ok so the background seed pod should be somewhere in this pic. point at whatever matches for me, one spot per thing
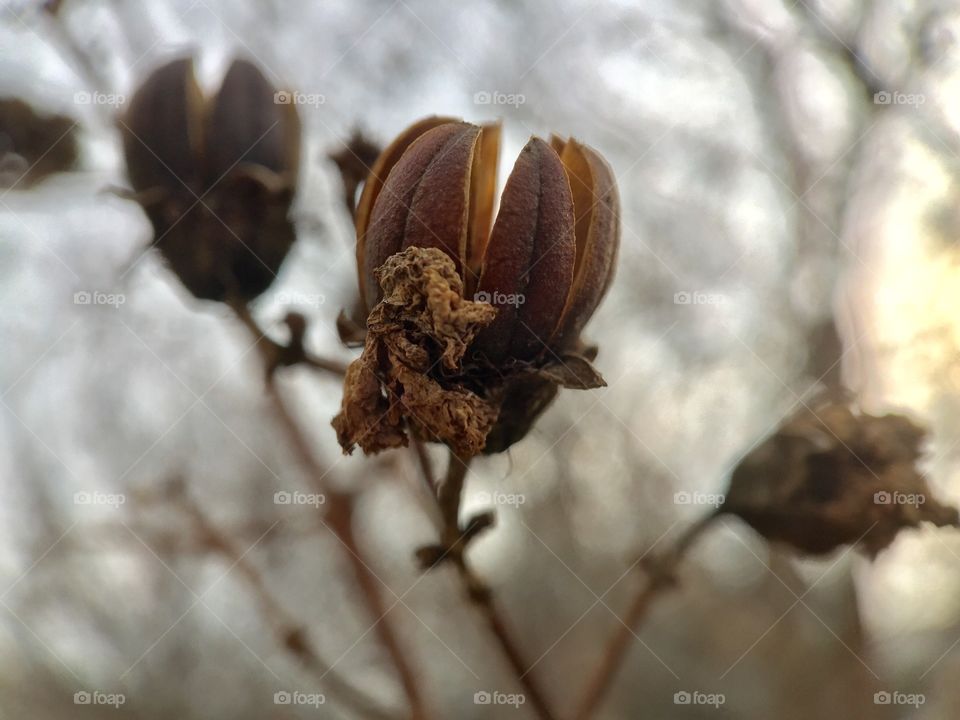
(216, 178)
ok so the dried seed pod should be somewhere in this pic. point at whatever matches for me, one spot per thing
(161, 131)
(835, 476)
(246, 126)
(216, 177)
(597, 210)
(33, 145)
(541, 270)
(530, 257)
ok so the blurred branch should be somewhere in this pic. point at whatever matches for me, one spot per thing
(661, 577)
(454, 541)
(276, 355)
(339, 519)
(289, 633)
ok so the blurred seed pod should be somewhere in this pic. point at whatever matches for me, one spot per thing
(33, 145)
(833, 476)
(216, 176)
(543, 266)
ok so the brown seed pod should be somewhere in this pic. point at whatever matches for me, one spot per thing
(832, 476)
(161, 130)
(216, 177)
(33, 145)
(542, 269)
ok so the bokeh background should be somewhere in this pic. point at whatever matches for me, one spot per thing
(789, 179)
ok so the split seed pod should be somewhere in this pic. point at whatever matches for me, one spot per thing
(511, 296)
(216, 176)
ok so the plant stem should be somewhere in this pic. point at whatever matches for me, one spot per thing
(339, 519)
(448, 497)
(660, 578)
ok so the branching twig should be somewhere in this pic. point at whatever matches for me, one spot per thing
(454, 541)
(339, 519)
(661, 577)
(289, 632)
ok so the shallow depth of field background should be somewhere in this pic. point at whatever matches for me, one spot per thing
(766, 188)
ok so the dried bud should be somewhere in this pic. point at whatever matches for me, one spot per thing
(215, 176)
(541, 270)
(834, 476)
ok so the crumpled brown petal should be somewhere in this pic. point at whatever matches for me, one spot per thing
(421, 328)
(833, 476)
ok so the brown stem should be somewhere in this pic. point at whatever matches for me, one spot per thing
(448, 497)
(276, 355)
(660, 573)
(340, 520)
(289, 632)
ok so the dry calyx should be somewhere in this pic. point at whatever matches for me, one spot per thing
(472, 324)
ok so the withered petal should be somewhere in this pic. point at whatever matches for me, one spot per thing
(530, 256)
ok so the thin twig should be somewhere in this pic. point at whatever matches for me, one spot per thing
(289, 633)
(448, 497)
(660, 578)
(339, 519)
